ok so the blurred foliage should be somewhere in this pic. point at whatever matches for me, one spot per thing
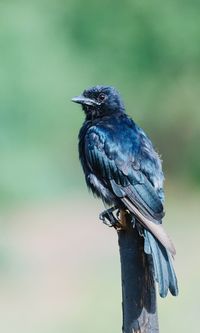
(52, 50)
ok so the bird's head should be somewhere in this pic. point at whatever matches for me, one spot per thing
(100, 101)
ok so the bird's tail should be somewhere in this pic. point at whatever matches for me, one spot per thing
(162, 263)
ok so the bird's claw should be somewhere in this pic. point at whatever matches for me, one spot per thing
(140, 229)
(111, 219)
(108, 218)
(133, 221)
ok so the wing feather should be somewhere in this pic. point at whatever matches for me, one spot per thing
(131, 186)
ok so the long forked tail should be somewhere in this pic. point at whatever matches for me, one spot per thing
(162, 263)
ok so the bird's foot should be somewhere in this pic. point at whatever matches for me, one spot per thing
(115, 217)
(140, 229)
(133, 221)
(110, 217)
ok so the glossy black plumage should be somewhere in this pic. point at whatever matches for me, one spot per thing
(122, 168)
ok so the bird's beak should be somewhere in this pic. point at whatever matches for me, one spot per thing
(84, 100)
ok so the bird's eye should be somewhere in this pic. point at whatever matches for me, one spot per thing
(101, 97)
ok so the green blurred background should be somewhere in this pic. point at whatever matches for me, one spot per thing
(59, 268)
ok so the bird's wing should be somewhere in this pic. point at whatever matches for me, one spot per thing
(113, 162)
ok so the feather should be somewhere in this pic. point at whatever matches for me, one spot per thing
(162, 263)
(156, 229)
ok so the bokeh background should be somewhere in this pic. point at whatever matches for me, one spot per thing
(59, 267)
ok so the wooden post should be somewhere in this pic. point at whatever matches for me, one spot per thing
(138, 287)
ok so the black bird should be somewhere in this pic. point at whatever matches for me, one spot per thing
(122, 168)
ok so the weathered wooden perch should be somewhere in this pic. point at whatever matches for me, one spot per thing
(138, 287)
